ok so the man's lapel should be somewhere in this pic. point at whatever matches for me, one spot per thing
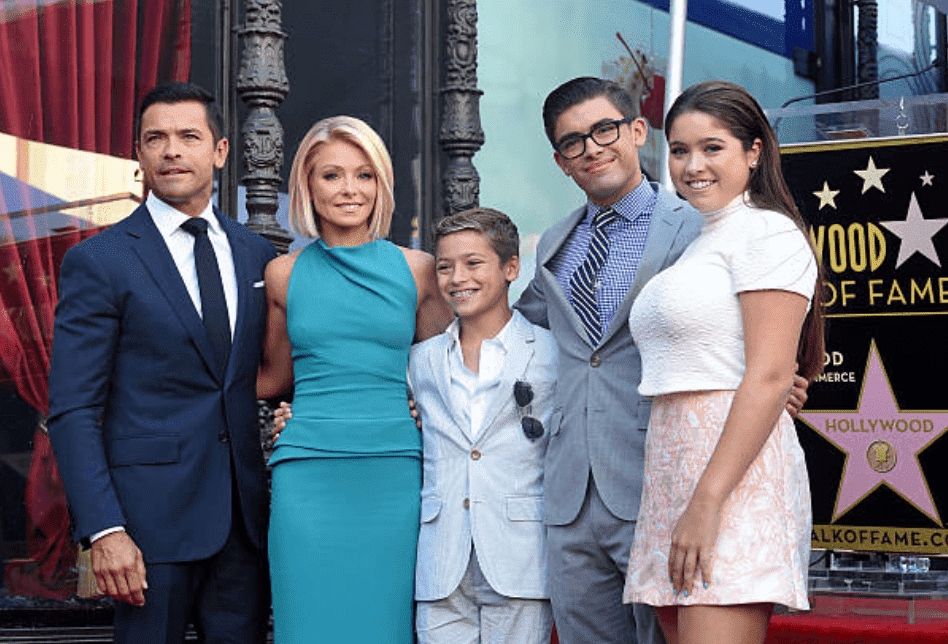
(439, 366)
(664, 227)
(518, 358)
(239, 252)
(556, 296)
(146, 241)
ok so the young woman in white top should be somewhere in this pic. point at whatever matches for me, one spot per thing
(724, 528)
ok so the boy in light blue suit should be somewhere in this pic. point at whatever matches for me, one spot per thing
(484, 389)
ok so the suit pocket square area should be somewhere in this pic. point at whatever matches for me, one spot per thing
(259, 284)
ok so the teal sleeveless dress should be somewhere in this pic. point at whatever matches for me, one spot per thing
(347, 469)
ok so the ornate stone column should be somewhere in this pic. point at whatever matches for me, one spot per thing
(262, 85)
(461, 135)
(867, 44)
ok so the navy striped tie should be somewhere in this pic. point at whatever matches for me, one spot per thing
(582, 284)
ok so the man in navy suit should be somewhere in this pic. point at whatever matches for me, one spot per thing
(153, 414)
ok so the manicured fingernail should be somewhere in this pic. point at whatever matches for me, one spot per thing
(675, 590)
(706, 584)
(684, 593)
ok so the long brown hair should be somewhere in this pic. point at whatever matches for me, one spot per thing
(740, 113)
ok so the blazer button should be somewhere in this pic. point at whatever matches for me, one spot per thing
(223, 436)
(475, 455)
(595, 360)
(467, 504)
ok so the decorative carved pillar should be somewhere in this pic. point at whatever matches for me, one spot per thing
(262, 86)
(867, 42)
(461, 135)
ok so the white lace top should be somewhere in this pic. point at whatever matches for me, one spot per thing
(686, 321)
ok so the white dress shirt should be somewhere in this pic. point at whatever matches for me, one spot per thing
(470, 391)
(181, 245)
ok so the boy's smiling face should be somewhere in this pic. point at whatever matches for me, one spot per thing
(471, 277)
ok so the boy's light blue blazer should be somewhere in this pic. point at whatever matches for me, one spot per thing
(485, 490)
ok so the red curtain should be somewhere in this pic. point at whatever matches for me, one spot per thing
(72, 71)
(71, 74)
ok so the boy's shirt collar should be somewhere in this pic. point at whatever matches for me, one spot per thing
(503, 337)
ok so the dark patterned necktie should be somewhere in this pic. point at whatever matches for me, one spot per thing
(213, 304)
(582, 284)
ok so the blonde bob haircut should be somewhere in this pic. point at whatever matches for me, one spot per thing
(303, 219)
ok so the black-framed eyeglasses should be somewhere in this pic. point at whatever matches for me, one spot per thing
(604, 133)
(523, 395)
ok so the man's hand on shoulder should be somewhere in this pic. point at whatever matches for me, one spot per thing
(119, 568)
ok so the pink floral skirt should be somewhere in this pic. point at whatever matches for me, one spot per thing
(763, 547)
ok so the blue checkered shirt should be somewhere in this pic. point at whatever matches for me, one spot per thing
(627, 235)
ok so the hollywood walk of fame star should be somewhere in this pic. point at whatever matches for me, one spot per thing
(877, 420)
(872, 176)
(927, 179)
(916, 234)
(827, 196)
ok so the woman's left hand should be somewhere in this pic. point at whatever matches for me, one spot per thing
(798, 395)
(692, 545)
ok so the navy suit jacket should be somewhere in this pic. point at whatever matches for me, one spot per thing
(145, 430)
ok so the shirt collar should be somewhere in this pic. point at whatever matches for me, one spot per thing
(505, 335)
(454, 330)
(635, 203)
(168, 219)
(502, 338)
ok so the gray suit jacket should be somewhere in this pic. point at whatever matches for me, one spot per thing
(485, 490)
(599, 419)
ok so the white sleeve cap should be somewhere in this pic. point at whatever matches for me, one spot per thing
(776, 256)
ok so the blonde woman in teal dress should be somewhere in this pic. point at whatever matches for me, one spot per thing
(342, 314)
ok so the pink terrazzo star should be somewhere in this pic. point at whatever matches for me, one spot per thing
(899, 437)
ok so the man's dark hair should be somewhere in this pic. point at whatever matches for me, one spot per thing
(170, 93)
(579, 90)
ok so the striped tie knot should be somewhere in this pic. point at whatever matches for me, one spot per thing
(604, 218)
(583, 282)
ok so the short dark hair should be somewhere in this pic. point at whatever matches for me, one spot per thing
(500, 230)
(171, 93)
(579, 90)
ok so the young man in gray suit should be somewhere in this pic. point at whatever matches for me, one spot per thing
(590, 266)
